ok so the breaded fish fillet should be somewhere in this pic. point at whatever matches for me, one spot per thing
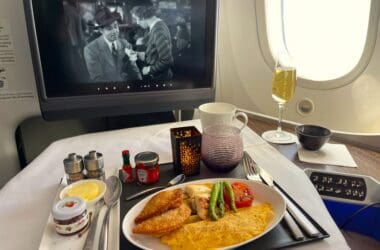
(161, 203)
(164, 223)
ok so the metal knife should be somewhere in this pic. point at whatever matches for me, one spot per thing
(301, 219)
(252, 173)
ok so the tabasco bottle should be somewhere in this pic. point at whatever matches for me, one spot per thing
(126, 171)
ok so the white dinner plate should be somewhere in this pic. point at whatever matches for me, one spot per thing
(262, 194)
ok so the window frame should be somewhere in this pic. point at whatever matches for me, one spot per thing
(344, 80)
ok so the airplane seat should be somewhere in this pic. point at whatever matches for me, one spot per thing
(30, 144)
(364, 220)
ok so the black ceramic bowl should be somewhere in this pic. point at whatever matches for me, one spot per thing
(312, 137)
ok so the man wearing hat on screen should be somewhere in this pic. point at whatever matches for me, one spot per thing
(106, 57)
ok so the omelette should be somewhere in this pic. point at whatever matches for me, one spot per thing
(232, 229)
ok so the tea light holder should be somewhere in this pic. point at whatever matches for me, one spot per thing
(186, 149)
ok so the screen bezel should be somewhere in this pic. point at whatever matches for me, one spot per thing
(105, 104)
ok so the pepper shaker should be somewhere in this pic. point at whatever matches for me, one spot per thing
(94, 165)
(73, 165)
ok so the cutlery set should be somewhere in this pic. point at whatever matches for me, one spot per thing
(293, 216)
(111, 197)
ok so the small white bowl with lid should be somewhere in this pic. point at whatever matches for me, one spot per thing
(70, 215)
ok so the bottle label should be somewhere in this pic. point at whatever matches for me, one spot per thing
(126, 175)
(142, 175)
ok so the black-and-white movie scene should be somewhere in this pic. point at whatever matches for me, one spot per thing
(125, 40)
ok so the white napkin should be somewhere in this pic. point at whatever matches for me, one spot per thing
(329, 154)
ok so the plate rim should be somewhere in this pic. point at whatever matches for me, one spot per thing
(267, 230)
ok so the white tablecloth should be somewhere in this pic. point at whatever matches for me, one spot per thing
(26, 200)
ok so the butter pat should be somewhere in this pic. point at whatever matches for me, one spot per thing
(87, 191)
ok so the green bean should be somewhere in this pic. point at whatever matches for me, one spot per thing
(221, 200)
(213, 199)
(231, 194)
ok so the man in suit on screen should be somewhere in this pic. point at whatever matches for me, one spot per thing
(106, 57)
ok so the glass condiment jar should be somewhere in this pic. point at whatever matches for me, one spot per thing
(73, 165)
(94, 165)
(70, 216)
(147, 168)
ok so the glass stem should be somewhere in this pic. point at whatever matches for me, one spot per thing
(280, 110)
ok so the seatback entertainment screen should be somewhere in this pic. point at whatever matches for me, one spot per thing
(88, 47)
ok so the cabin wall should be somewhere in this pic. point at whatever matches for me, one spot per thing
(18, 98)
(245, 79)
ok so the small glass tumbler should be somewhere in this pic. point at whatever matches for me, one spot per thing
(222, 147)
(186, 150)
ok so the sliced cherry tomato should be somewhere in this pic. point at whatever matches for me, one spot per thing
(243, 195)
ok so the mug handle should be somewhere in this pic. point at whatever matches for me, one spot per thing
(245, 119)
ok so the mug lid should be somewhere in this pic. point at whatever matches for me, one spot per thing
(147, 158)
(68, 208)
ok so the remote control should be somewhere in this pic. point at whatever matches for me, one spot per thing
(351, 188)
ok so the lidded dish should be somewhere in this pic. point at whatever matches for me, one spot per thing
(70, 215)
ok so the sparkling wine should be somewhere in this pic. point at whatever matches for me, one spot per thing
(283, 84)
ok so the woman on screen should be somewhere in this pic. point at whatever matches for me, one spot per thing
(158, 56)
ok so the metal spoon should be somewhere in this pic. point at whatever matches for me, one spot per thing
(92, 232)
(176, 180)
(111, 197)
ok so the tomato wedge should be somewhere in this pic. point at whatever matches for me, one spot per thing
(243, 195)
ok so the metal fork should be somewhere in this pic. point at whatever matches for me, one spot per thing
(253, 173)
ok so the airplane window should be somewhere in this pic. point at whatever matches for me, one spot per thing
(329, 40)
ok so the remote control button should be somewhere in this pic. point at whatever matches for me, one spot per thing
(338, 191)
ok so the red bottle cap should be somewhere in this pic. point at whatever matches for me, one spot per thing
(125, 152)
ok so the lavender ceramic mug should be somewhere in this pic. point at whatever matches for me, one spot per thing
(222, 147)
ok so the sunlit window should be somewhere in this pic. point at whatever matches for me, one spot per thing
(325, 37)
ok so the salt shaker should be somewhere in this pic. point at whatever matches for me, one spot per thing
(73, 165)
(94, 165)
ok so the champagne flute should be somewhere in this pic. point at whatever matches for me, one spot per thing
(283, 88)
